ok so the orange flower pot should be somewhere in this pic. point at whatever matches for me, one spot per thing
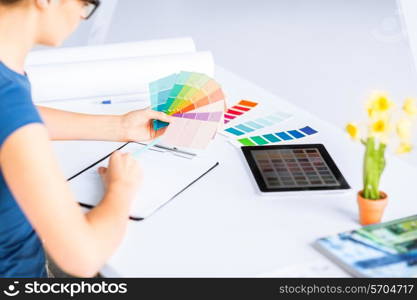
(371, 211)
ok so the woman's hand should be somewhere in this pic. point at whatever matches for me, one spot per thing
(123, 174)
(138, 125)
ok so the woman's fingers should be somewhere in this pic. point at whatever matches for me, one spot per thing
(159, 132)
(158, 115)
(102, 171)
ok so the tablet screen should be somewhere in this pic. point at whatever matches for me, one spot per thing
(294, 168)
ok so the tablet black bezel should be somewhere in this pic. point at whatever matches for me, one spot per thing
(247, 152)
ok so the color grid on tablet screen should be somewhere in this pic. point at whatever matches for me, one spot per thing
(288, 168)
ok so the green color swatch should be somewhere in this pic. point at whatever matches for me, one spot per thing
(246, 142)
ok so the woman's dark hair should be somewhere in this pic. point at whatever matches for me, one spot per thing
(9, 2)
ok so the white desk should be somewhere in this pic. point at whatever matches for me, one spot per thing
(220, 227)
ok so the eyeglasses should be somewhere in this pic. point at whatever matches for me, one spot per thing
(90, 7)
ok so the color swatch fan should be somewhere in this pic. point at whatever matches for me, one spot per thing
(197, 104)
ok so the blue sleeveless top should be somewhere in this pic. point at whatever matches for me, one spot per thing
(21, 252)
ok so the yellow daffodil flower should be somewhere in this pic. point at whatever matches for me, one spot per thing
(404, 129)
(382, 104)
(381, 124)
(379, 127)
(410, 107)
(379, 103)
(404, 148)
(353, 130)
(371, 112)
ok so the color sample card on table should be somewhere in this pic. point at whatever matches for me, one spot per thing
(246, 126)
(197, 104)
(275, 137)
(239, 110)
(293, 168)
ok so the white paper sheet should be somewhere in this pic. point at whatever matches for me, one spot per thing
(111, 51)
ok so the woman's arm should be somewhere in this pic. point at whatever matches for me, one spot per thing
(80, 244)
(64, 125)
(133, 126)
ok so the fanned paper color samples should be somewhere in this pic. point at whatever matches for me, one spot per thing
(196, 102)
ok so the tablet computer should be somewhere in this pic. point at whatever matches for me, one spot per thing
(294, 168)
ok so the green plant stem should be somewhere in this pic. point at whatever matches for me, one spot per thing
(374, 165)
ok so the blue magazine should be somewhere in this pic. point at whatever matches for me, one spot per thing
(383, 250)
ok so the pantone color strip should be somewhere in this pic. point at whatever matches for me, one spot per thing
(277, 137)
(238, 110)
(256, 124)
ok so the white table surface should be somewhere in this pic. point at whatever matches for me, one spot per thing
(220, 226)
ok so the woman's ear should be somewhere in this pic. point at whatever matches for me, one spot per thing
(42, 4)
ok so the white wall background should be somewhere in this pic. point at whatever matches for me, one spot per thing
(323, 55)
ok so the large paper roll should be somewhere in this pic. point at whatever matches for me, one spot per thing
(111, 70)
(111, 51)
(108, 78)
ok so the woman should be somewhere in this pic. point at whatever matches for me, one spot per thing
(36, 203)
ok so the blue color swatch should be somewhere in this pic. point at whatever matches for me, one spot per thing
(285, 136)
(272, 138)
(234, 131)
(296, 134)
(244, 128)
(308, 130)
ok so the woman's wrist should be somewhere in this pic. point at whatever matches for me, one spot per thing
(128, 128)
(120, 189)
(120, 130)
(119, 197)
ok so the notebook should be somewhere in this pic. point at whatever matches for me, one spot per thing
(167, 173)
(382, 250)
